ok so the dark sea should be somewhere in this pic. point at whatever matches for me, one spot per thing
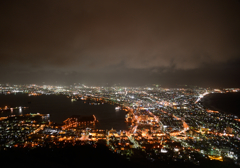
(223, 102)
(60, 108)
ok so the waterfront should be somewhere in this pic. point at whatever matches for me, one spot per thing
(60, 108)
(226, 103)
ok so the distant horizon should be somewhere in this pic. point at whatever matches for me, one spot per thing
(98, 42)
(118, 85)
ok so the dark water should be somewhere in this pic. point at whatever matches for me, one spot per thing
(227, 102)
(60, 108)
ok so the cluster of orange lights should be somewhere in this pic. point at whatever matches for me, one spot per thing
(211, 111)
(34, 94)
(71, 123)
(237, 120)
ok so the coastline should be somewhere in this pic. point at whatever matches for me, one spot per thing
(227, 103)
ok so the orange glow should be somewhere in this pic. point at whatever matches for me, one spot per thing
(211, 111)
(219, 158)
(237, 120)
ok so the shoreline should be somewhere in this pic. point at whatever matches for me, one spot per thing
(223, 102)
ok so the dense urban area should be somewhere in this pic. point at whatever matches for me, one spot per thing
(165, 124)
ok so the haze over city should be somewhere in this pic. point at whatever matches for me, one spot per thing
(132, 43)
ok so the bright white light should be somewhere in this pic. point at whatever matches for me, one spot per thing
(163, 151)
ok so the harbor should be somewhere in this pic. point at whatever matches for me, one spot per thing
(60, 107)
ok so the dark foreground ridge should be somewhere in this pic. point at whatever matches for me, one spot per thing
(86, 156)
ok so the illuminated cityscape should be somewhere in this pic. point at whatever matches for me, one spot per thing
(120, 83)
(166, 124)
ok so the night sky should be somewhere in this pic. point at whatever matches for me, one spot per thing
(134, 43)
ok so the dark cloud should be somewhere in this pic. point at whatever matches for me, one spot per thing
(109, 38)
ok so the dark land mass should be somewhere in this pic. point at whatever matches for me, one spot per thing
(223, 102)
(87, 156)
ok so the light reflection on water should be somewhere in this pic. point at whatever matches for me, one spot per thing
(60, 107)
